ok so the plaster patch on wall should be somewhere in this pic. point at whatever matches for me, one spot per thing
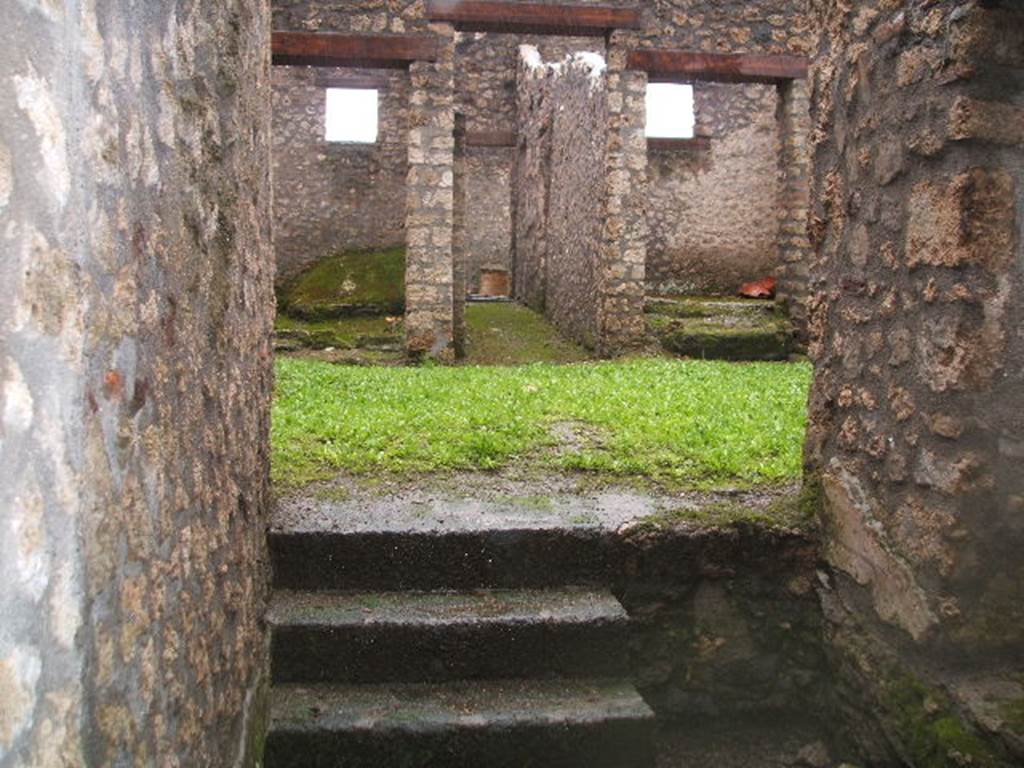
(64, 599)
(35, 98)
(856, 548)
(28, 535)
(17, 402)
(6, 176)
(19, 674)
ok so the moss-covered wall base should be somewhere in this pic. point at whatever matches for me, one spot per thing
(894, 705)
(917, 409)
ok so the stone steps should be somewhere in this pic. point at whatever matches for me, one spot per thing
(418, 637)
(513, 724)
(715, 329)
(437, 560)
(406, 634)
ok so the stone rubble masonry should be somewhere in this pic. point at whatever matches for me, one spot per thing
(624, 258)
(460, 256)
(580, 245)
(430, 206)
(917, 407)
(794, 123)
(334, 196)
(712, 207)
(135, 382)
(711, 215)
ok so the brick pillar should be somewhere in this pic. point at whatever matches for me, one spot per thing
(624, 260)
(429, 273)
(794, 195)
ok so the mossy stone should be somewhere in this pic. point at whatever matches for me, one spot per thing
(348, 284)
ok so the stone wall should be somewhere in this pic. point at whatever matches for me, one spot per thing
(334, 196)
(134, 382)
(726, 621)
(578, 190)
(713, 216)
(572, 122)
(917, 408)
(712, 209)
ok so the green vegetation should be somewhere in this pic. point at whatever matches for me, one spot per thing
(932, 733)
(509, 334)
(720, 329)
(345, 333)
(498, 334)
(1013, 713)
(787, 511)
(688, 423)
(355, 282)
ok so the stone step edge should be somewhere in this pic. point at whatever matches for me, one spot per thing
(312, 609)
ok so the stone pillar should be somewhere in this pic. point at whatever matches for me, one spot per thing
(429, 273)
(794, 120)
(531, 181)
(460, 255)
(624, 258)
(917, 407)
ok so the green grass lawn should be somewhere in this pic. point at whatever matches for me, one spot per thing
(688, 423)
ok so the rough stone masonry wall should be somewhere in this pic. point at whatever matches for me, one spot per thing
(485, 95)
(336, 196)
(917, 409)
(713, 212)
(134, 381)
(573, 124)
(431, 320)
(712, 208)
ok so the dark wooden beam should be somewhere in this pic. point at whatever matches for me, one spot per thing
(490, 139)
(327, 49)
(532, 18)
(668, 66)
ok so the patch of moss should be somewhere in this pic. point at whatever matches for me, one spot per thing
(767, 338)
(931, 734)
(1013, 713)
(343, 333)
(345, 284)
(504, 333)
(786, 511)
(710, 306)
(811, 500)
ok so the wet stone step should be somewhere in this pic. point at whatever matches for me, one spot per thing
(415, 637)
(437, 560)
(408, 543)
(554, 723)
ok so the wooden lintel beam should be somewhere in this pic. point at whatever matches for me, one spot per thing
(668, 66)
(490, 139)
(328, 49)
(533, 18)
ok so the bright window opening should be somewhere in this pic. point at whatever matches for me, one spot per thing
(670, 111)
(351, 115)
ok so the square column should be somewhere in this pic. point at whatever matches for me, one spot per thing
(794, 120)
(429, 273)
(624, 262)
